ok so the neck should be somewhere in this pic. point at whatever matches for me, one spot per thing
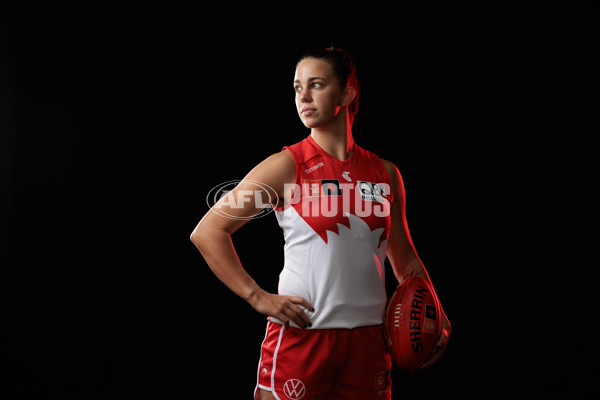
(336, 137)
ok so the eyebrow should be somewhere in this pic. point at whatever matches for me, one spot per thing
(314, 78)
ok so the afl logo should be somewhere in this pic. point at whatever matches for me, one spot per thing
(224, 200)
(294, 389)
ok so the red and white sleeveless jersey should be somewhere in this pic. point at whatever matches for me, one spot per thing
(335, 230)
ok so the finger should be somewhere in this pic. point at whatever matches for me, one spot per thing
(302, 302)
(433, 358)
(441, 343)
(436, 353)
(299, 317)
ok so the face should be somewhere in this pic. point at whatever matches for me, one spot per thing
(319, 96)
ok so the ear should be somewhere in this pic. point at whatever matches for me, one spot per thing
(349, 95)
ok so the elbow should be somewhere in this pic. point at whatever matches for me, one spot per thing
(198, 236)
(193, 237)
(204, 235)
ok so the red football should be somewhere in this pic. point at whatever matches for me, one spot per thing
(413, 323)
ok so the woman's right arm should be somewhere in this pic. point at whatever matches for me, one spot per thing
(212, 237)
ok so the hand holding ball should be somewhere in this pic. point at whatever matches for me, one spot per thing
(413, 323)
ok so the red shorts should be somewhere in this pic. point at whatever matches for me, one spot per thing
(325, 364)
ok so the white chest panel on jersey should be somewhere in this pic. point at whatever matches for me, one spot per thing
(335, 233)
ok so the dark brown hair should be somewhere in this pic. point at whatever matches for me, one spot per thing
(343, 67)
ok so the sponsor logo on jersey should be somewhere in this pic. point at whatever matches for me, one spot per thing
(372, 191)
(313, 188)
(331, 187)
(322, 187)
(294, 389)
(382, 380)
(346, 176)
(314, 168)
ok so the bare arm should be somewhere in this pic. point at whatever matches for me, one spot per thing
(403, 256)
(212, 237)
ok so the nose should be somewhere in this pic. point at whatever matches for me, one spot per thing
(304, 96)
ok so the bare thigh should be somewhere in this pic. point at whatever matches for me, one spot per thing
(265, 395)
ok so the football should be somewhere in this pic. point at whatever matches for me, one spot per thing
(412, 322)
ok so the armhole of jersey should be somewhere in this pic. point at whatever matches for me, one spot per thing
(296, 165)
(387, 175)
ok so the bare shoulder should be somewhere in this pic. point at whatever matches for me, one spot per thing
(275, 170)
(395, 178)
(282, 159)
(392, 170)
(278, 163)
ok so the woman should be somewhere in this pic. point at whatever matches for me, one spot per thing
(341, 209)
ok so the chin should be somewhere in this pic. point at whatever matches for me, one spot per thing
(312, 122)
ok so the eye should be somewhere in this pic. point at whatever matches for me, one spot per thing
(317, 85)
(297, 88)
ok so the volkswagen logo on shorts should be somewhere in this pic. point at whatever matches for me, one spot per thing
(294, 389)
(226, 201)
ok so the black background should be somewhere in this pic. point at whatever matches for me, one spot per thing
(116, 120)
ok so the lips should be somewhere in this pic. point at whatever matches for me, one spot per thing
(307, 111)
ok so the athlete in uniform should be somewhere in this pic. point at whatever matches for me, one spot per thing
(341, 209)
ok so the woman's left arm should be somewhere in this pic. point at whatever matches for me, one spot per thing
(403, 256)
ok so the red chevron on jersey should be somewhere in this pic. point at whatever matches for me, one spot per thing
(330, 189)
